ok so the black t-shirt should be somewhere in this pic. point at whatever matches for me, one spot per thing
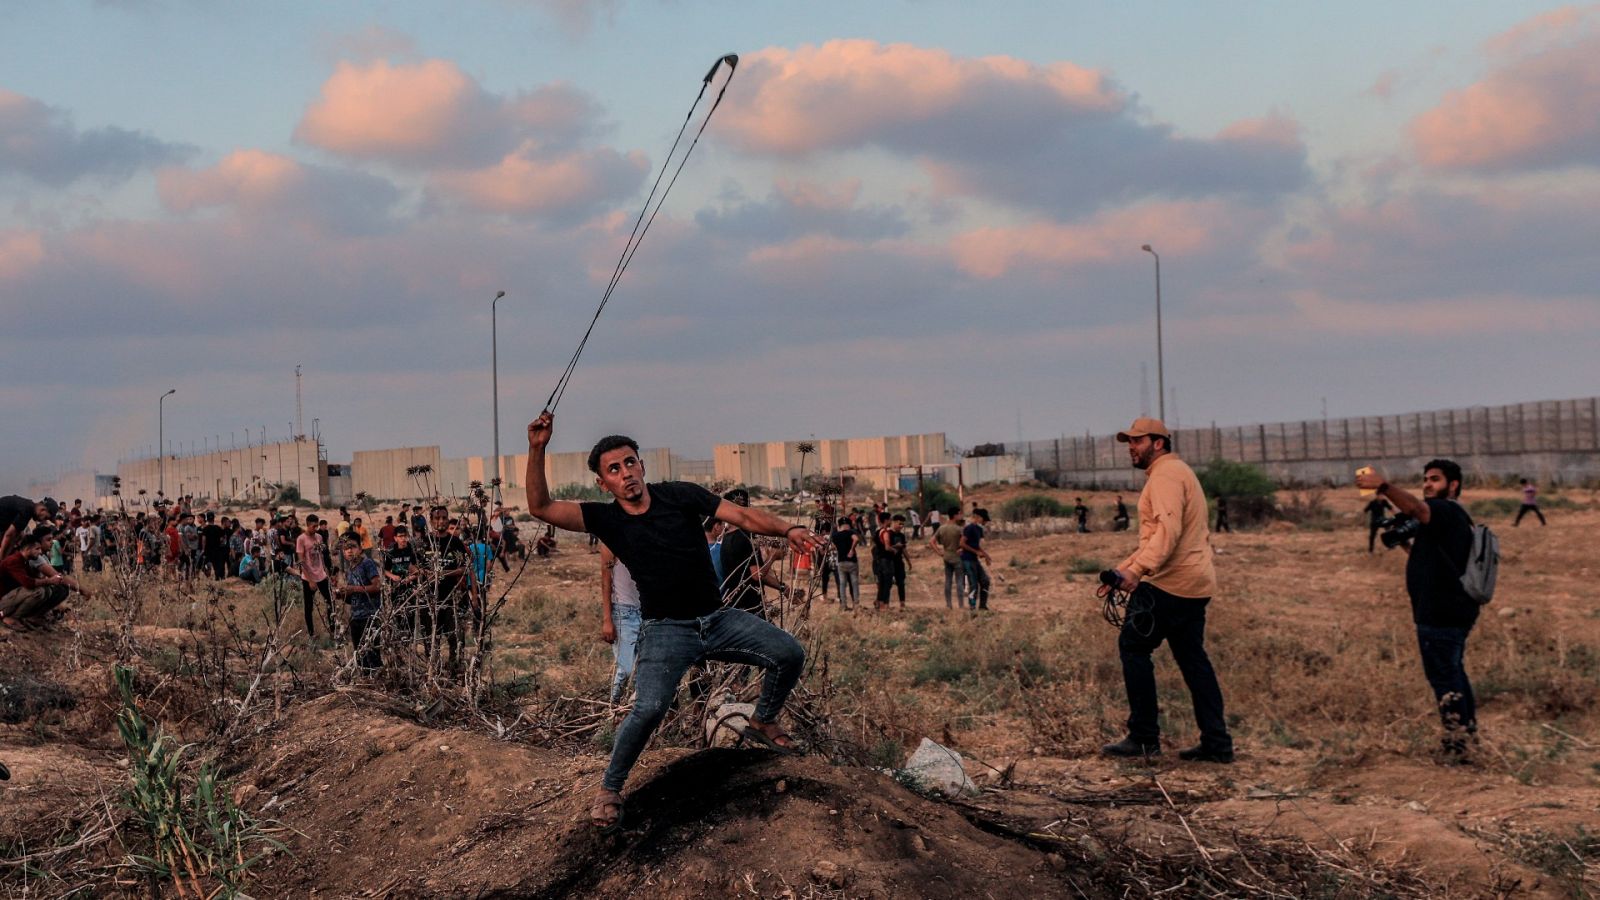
(1433, 570)
(742, 588)
(896, 554)
(844, 540)
(1376, 510)
(445, 552)
(215, 542)
(16, 511)
(664, 549)
(880, 550)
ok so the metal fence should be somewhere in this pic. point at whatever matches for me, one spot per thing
(1554, 439)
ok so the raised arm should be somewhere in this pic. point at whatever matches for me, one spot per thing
(560, 513)
(759, 521)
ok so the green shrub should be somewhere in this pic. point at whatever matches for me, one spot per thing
(1249, 489)
(579, 492)
(936, 496)
(1085, 565)
(1032, 506)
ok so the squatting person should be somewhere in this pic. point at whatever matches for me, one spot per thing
(657, 532)
(1441, 608)
(1170, 579)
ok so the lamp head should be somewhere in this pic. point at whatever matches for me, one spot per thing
(1146, 248)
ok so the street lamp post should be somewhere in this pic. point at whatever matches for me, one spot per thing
(494, 377)
(161, 440)
(1161, 381)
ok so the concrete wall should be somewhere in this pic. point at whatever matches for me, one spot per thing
(1553, 442)
(229, 474)
(381, 474)
(777, 465)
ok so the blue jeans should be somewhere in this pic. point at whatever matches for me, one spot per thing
(977, 584)
(668, 647)
(955, 573)
(627, 620)
(1443, 648)
(848, 572)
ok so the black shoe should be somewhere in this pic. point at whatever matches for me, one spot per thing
(1200, 753)
(1128, 747)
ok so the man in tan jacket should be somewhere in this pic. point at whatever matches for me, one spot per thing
(1170, 580)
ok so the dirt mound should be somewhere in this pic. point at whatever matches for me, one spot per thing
(383, 807)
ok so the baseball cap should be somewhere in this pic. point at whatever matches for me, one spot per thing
(1142, 426)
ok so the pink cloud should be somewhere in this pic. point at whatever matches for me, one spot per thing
(20, 253)
(1177, 228)
(250, 177)
(846, 92)
(413, 112)
(1540, 107)
(526, 184)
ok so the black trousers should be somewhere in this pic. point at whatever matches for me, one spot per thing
(890, 572)
(1528, 508)
(367, 658)
(1372, 536)
(1155, 616)
(310, 592)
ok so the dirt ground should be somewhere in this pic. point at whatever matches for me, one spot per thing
(1335, 792)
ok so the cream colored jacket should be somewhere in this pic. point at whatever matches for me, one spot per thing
(1174, 539)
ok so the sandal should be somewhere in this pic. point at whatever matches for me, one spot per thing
(606, 812)
(782, 743)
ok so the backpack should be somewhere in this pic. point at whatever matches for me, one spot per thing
(1483, 565)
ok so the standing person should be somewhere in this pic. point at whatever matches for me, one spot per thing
(214, 547)
(363, 590)
(92, 542)
(363, 536)
(1081, 513)
(419, 524)
(973, 556)
(1119, 519)
(401, 571)
(189, 532)
(1170, 580)
(1441, 608)
(1530, 504)
(313, 573)
(450, 568)
(1222, 515)
(898, 562)
(934, 519)
(882, 568)
(386, 534)
(847, 565)
(948, 542)
(656, 531)
(238, 536)
(1377, 509)
(620, 620)
(744, 570)
(915, 518)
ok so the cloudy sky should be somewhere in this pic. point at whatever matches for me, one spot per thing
(906, 216)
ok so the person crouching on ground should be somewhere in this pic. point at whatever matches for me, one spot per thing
(1170, 579)
(657, 532)
(29, 587)
(1441, 608)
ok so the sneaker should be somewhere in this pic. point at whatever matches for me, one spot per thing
(1201, 753)
(1128, 747)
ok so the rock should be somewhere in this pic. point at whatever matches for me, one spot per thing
(1507, 612)
(244, 793)
(1057, 862)
(827, 872)
(1416, 806)
(938, 768)
(724, 725)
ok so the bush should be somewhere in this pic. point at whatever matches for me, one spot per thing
(1085, 565)
(1249, 489)
(1032, 506)
(936, 496)
(579, 492)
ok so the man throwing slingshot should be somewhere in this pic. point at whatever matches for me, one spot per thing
(657, 532)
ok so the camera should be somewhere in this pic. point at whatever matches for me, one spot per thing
(1398, 529)
(1110, 578)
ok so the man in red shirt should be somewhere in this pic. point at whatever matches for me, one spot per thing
(29, 588)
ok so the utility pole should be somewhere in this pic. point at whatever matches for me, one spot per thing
(494, 378)
(1161, 381)
(161, 440)
(299, 414)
